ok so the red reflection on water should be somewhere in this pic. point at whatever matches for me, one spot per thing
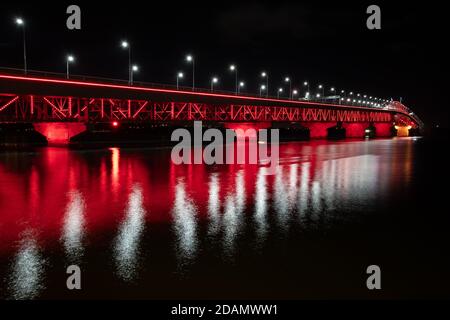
(38, 189)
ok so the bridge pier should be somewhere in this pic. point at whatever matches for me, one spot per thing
(402, 131)
(59, 133)
(318, 130)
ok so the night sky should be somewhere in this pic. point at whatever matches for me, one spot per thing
(326, 43)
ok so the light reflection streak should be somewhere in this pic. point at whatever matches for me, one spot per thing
(185, 212)
(26, 280)
(214, 205)
(234, 208)
(127, 243)
(73, 227)
(261, 205)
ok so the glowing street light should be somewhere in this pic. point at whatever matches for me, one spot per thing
(180, 75)
(306, 84)
(307, 95)
(126, 45)
(69, 60)
(287, 79)
(261, 89)
(294, 93)
(190, 59)
(280, 90)
(134, 69)
(214, 80)
(241, 85)
(266, 75)
(21, 23)
(235, 70)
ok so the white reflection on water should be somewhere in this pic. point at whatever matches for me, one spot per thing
(127, 242)
(234, 209)
(261, 204)
(73, 227)
(303, 195)
(214, 205)
(26, 280)
(185, 212)
(285, 194)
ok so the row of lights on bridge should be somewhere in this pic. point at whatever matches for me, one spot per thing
(293, 93)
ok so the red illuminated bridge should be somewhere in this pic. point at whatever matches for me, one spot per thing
(61, 109)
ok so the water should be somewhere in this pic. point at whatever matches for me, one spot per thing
(141, 227)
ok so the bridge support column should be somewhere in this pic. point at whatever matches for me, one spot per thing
(318, 130)
(355, 129)
(383, 129)
(402, 131)
(59, 133)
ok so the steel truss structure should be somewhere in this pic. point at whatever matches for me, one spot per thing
(31, 108)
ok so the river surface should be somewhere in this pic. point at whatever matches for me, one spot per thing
(139, 226)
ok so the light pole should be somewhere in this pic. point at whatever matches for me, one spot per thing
(180, 75)
(294, 93)
(321, 88)
(234, 68)
(69, 60)
(133, 70)
(21, 23)
(127, 46)
(241, 85)
(306, 84)
(287, 79)
(266, 75)
(261, 89)
(190, 59)
(214, 80)
(280, 90)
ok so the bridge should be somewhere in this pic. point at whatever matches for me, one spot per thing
(62, 108)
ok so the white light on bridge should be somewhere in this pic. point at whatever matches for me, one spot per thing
(125, 44)
(20, 21)
(135, 68)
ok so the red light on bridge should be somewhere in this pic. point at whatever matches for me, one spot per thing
(115, 124)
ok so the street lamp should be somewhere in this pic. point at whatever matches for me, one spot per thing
(69, 60)
(214, 80)
(241, 85)
(126, 45)
(134, 69)
(234, 68)
(190, 59)
(294, 93)
(321, 88)
(280, 90)
(306, 84)
(266, 75)
(21, 23)
(261, 89)
(180, 75)
(287, 79)
(307, 94)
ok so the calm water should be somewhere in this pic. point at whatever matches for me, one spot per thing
(140, 227)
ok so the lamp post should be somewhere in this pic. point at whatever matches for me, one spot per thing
(134, 69)
(21, 23)
(234, 68)
(190, 59)
(306, 84)
(266, 75)
(294, 93)
(261, 89)
(321, 88)
(287, 79)
(69, 60)
(126, 45)
(180, 75)
(280, 90)
(241, 85)
(214, 80)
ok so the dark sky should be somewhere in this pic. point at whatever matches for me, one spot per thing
(321, 42)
